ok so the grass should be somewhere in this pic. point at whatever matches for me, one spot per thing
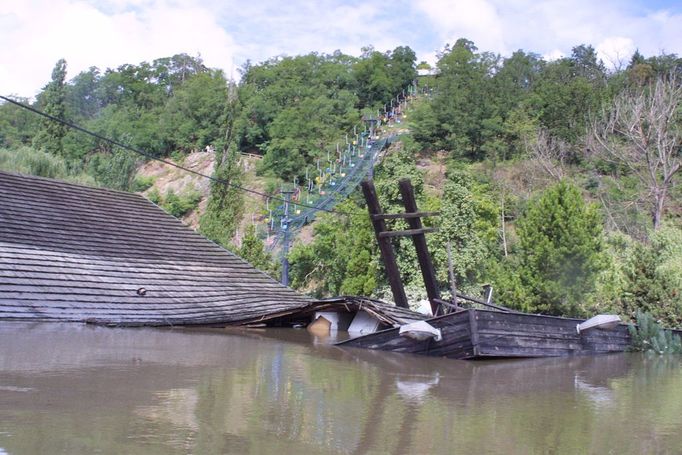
(27, 160)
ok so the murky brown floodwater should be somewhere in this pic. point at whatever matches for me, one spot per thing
(72, 389)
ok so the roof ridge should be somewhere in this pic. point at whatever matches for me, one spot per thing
(103, 189)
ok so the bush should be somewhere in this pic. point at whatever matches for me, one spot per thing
(114, 170)
(179, 206)
(648, 336)
(654, 278)
(27, 160)
(154, 196)
(142, 183)
(253, 251)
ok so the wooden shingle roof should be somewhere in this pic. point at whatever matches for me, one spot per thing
(75, 253)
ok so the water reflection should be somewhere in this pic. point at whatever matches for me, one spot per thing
(81, 389)
(416, 388)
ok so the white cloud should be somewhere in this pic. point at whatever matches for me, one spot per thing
(553, 27)
(108, 33)
(301, 27)
(615, 51)
(478, 21)
(43, 31)
(554, 54)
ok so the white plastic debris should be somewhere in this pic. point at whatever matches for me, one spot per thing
(602, 321)
(420, 330)
(424, 307)
(363, 324)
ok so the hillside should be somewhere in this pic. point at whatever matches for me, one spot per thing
(165, 178)
(556, 181)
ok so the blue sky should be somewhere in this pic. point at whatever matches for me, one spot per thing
(108, 33)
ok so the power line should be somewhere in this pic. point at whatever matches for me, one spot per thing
(161, 160)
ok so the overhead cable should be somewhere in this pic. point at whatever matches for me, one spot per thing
(161, 160)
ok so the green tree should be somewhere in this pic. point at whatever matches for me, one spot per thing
(225, 204)
(295, 109)
(462, 103)
(426, 126)
(342, 257)
(298, 136)
(560, 251)
(458, 225)
(115, 169)
(253, 251)
(586, 64)
(373, 73)
(52, 101)
(510, 119)
(567, 91)
(402, 68)
(82, 95)
(17, 125)
(193, 115)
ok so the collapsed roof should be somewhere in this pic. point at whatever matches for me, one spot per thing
(80, 254)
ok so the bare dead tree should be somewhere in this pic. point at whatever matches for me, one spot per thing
(552, 153)
(643, 132)
(618, 62)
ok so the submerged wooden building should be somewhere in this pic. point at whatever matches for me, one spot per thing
(470, 333)
(80, 254)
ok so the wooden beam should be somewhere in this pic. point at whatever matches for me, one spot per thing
(395, 216)
(473, 328)
(484, 303)
(407, 232)
(419, 239)
(499, 308)
(448, 304)
(385, 247)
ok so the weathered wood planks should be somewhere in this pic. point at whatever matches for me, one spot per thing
(80, 254)
(474, 333)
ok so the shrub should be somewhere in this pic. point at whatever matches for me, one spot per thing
(27, 160)
(648, 336)
(154, 196)
(114, 170)
(180, 205)
(142, 183)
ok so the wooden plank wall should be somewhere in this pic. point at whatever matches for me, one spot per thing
(75, 253)
(527, 335)
(484, 333)
(456, 342)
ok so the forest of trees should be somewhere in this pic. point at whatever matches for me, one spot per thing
(560, 187)
(560, 182)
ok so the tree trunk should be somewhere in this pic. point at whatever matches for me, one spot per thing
(660, 195)
(504, 231)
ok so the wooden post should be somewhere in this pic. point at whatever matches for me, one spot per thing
(504, 229)
(387, 253)
(419, 239)
(451, 273)
(284, 226)
(488, 293)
